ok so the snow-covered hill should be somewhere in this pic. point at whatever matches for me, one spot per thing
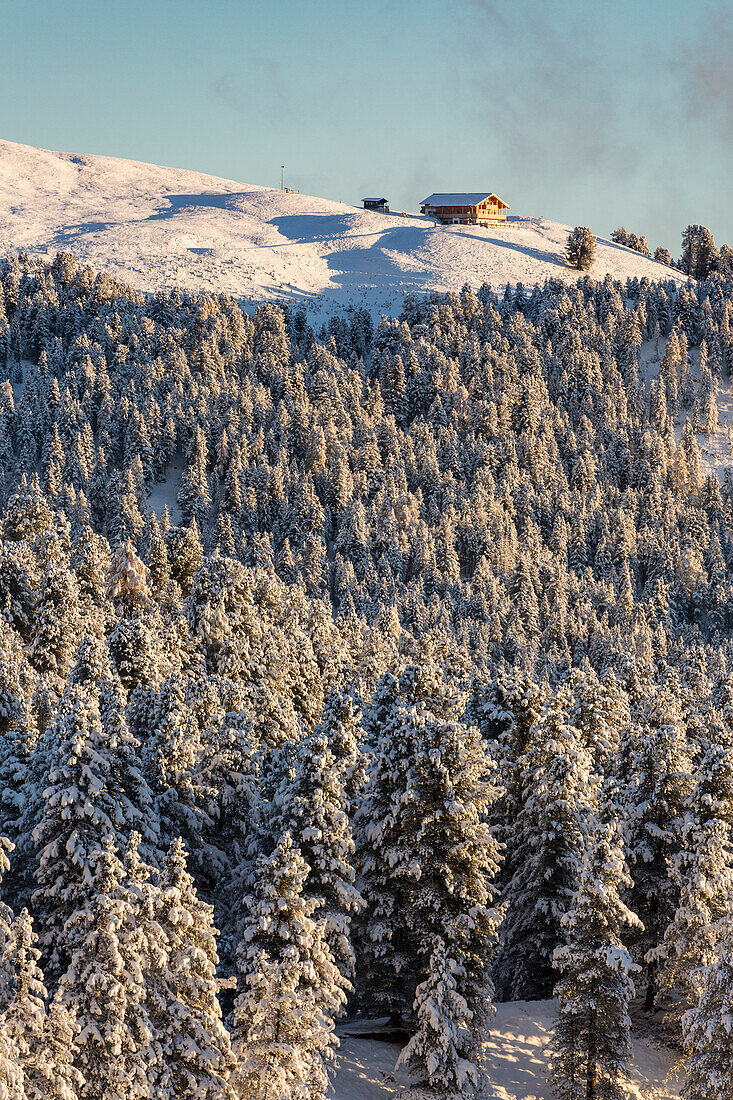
(155, 227)
(515, 1061)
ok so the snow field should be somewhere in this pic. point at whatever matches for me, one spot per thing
(159, 227)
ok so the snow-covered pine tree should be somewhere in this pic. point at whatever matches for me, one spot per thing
(103, 987)
(127, 580)
(34, 1035)
(559, 794)
(83, 801)
(171, 756)
(144, 949)
(13, 671)
(290, 990)
(703, 876)
(702, 873)
(708, 1028)
(195, 1060)
(386, 956)
(135, 647)
(313, 811)
(340, 721)
(57, 624)
(660, 785)
(60, 1052)
(7, 923)
(133, 796)
(428, 854)
(194, 496)
(592, 1044)
(12, 1085)
(454, 784)
(580, 249)
(440, 1055)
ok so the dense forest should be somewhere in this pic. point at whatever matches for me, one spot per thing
(417, 696)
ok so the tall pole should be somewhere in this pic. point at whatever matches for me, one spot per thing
(282, 176)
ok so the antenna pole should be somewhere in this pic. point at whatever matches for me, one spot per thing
(282, 177)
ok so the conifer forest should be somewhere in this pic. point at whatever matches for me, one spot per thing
(381, 671)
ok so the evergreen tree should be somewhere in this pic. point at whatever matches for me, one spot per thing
(314, 814)
(43, 1040)
(289, 988)
(195, 1060)
(592, 1042)
(127, 581)
(703, 875)
(580, 249)
(93, 788)
(57, 627)
(340, 722)
(62, 1079)
(440, 1054)
(699, 254)
(103, 987)
(708, 1028)
(428, 855)
(659, 787)
(559, 801)
(7, 928)
(194, 497)
(12, 1086)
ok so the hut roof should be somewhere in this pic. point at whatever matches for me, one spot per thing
(468, 198)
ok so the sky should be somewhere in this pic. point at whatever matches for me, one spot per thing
(585, 112)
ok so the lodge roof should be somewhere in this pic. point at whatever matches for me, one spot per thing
(382, 199)
(469, 198)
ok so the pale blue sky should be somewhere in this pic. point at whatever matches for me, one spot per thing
(582, 111)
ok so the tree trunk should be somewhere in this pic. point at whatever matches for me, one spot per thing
(592, 1064)
(651, 987)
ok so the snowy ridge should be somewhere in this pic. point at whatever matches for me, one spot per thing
(157, 227)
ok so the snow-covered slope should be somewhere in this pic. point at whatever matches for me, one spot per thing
(515, 1061)
(155, 227)
(716, 447)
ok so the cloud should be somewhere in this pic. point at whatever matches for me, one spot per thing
(604, 108)
(261, 88)
(707, 72)
(551, 89)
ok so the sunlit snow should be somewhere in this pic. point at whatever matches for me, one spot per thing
(157, 227)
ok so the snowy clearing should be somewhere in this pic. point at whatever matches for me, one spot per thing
(716, 447)
(157, 227)
(515, 1060)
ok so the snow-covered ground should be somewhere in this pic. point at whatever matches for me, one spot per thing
(165, 494)
(155, 227)
(515, 1061)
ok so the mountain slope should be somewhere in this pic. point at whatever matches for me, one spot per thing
(155, 227)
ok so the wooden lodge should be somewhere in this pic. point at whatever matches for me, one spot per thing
(474, 208)
(379, 206)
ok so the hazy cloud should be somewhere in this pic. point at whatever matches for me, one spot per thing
(554, 89)
(261, 88)
(706, 66)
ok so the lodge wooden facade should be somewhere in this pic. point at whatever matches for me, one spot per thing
(378, 205)
(472, 208)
